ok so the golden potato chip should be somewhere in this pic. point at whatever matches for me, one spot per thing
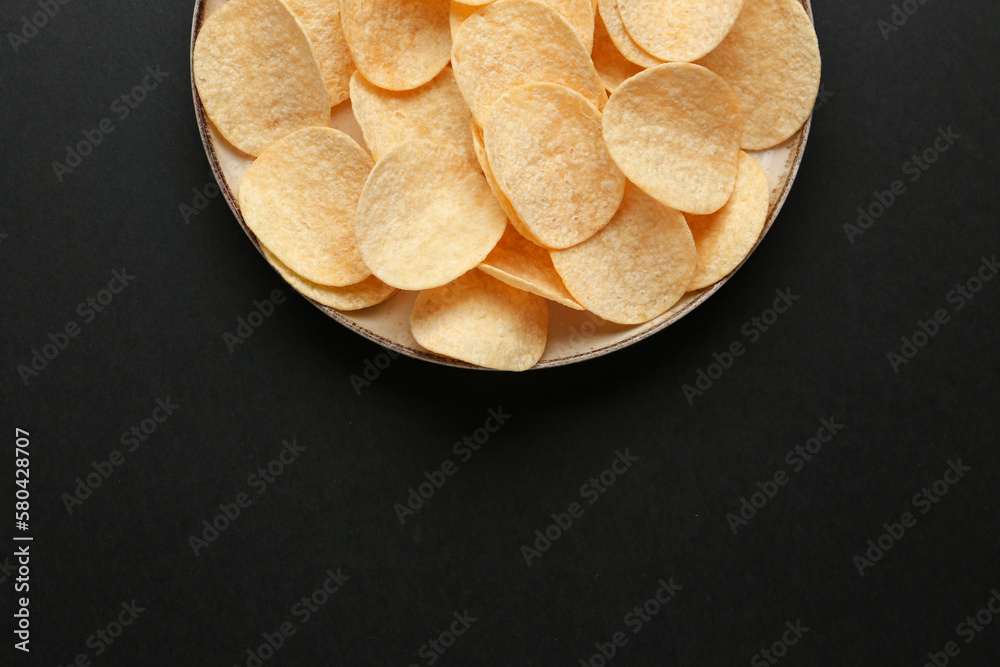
(544, 144)
(426, 216)
(460, 12)
(484, 163)
(771, 59)
(522, 264)
(679, 30)
(369, 292)
(611, 65)
(482, 321)
(512, 42)
(321, 19)
(435, 111)
(675, 132)
(256, 75)
(634, 269)
(398, 44)
(579, 14)
(299, 198)
(727, 236)
(608, 9)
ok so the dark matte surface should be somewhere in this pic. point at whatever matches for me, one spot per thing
(333, 507)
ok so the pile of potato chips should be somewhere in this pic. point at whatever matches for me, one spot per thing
(499, 176)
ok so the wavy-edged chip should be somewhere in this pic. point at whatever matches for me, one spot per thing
(436, 111)
(545, 146)
(522, 264)
(398, 44)
(634, 269)
(484, 163)
(608, 9)
(369, 292)
(321, 19)
(611, 65)
(726, 237)
(771, 59)
(482, 321)
(509, 43)
(679, 30)
(299, 198)
(256, 74)
(426, 216)
(674, 130)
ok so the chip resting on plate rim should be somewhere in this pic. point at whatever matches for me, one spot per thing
(524, 265)
(369, 292)
(299, 197)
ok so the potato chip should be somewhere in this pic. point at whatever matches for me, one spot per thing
(634, 269)
(611, 65)
(608, 9)
(435, 111)
(321, 19)
(545, 147)
(771, 59)
(426, 216)
(398, 44)
(484, 163)
(679, 30)
(512, 42)
(522, 264)
(727, 236)
(256, 74)
(299, 198)
(482, 321)
(369, 292)
(460, 12)
(675, 132)
(579, 14)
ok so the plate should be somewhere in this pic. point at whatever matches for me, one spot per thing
(574, 336)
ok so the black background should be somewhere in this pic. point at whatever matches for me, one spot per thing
(886, 99)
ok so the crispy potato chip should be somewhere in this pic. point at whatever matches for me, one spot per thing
(771, 59)
(299, 198)
(608, 9)
(544, 144)
(256, 74)
(675, 132)
(634, 269)
(426, 216)
(460, 12)
(484, 163)
(579, 14)
(512, 42)
(726, 237)
(321, 19)
(435, 111)
(369, 292)
(398, 44)
(679, 30)
(522, 264)
(611, 65)
(483, 321)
